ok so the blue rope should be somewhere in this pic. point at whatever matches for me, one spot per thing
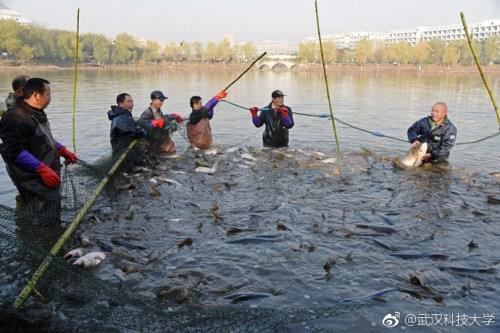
(374, 133)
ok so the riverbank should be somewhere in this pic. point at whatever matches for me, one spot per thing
(166, 66)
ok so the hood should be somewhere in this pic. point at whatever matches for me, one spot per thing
(116, 111)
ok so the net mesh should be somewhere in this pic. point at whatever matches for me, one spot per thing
(69, 299)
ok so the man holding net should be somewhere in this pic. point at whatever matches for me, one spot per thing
(31, 154)
(154, 120)
(278, 119)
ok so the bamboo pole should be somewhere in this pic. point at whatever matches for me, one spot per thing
(44, 266)
(245, 71)
(73, 113)
(476, 60)
(334, 127)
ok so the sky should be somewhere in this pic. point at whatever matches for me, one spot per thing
(255, 20)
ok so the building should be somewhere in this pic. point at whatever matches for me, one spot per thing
(276, 47)
(480, 31)
(8, 14)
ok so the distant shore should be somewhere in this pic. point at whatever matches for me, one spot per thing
(167, 66)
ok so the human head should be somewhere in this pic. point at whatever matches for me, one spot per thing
(195, 103)
(125, 101)
(36, 92)
(157, 99)
(439, 112)
(18, 84)
(278, 97)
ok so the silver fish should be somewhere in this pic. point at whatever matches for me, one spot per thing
(91, 259)
(414, 156)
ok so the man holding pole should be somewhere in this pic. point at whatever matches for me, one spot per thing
(278, 119)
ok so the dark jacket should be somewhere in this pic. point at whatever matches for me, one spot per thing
(440, 139)
(276, 132)
(24, 128)
(124, 128)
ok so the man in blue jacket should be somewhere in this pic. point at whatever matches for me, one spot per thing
(124, 129)
(437, 131)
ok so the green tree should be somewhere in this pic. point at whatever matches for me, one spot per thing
(363, 51)
(451, 56)
(125, 49)
(330, 52)
(249, 51)
(151, 52)
(437, 50)
(491, 49)
(421, 52)
(308, 52)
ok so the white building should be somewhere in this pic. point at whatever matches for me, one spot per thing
(480, 31)
(8, 14)
(276, 47)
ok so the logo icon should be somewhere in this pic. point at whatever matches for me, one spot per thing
(391, 320)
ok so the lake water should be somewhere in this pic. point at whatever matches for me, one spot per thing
(264, 225)
(385, 102)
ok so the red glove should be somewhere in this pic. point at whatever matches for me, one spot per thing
(254, 111)
(158, 123)
(221, 95)
(48, 176)
(69, 156)
(284, 112)
(177, 117)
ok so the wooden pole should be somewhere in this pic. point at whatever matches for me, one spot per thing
(476, 60)
(44, 266)
(245, 71)
(75, 82)
(334, 127)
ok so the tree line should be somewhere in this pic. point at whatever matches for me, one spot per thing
(24, 44)
(434, 51)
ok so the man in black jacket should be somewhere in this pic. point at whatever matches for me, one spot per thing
(124, 128)
(277, 118)
(31, 154)
(437, 131)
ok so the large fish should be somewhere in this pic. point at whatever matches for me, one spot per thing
(91, 259)
(414, 156)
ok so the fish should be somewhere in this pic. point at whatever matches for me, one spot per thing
(234, 230)
(330, 160)
(127, 244)
(73, 255)
(381, 229)
(369, 296)
(207, 170)
(185, 242)
(408, 255)
(104, 246)
(255, 239)
(488, 270)
(154, 192)
(242, 297)
(169, 181)
(248, 157)
(493, 199)
(413, 159)
(91, 259)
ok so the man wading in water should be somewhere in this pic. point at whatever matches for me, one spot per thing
(153, 119)
(437, 131)
(278, 119)
(32, 158)
(199, 130)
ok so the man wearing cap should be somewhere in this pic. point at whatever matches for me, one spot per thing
(153, 119)
(278, 119)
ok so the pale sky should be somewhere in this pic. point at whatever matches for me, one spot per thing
(255, 20)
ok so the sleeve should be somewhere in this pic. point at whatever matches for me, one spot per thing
(14, 132)
(258, 120)
(414, 131)
(288, 121)
(128, 127)
(145, 119)
(448, 142)
(210, 105)
(27, 161)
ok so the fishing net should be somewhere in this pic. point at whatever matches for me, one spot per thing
(69, 299)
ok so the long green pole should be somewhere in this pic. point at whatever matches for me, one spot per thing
(21, 298)
(77, 46)
(476, 60)
(334, 127)
(245, 71)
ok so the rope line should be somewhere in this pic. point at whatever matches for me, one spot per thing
(374, 133)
